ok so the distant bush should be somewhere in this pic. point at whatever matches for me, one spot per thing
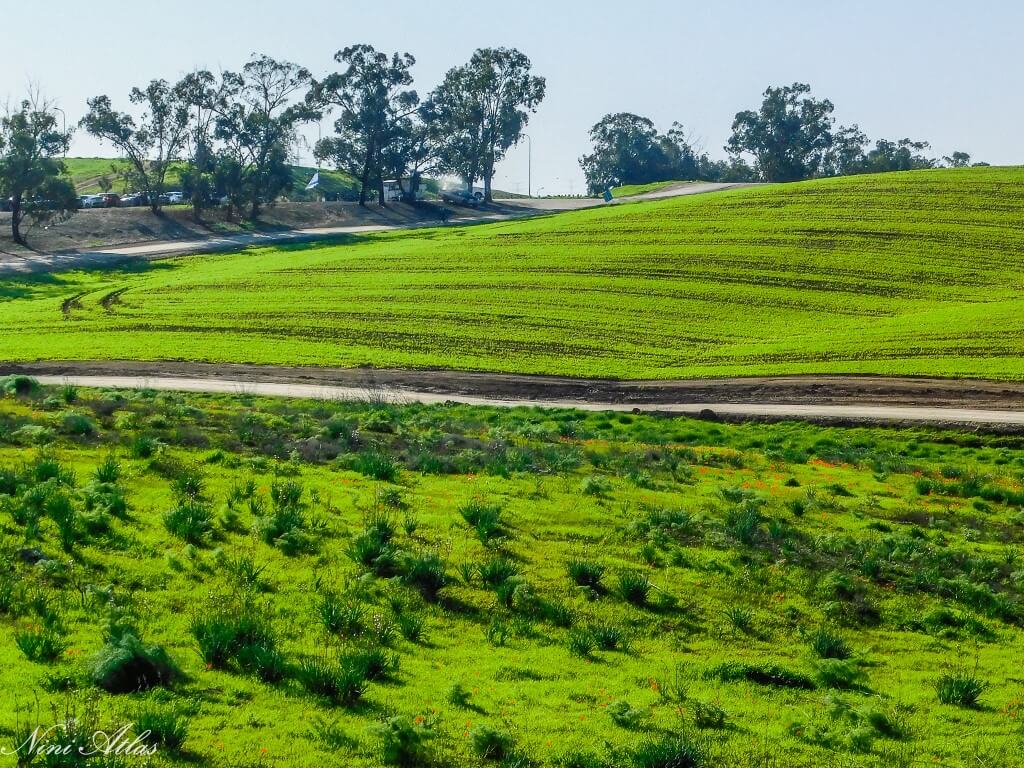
(667, 752)
(709, 716)
(403, 742)
(634, 587)
(40, 644)
(166, 729)
(960, 688)
(126, 664)
(77, 425)
(839, 673)
(19, 386)
(341, 617)
(484, 518)
(762, 674)
(378, 466)
(340, 684)
(581, 643)
(191, 521)
(585, 573)
(490, 743)
(425, 571)
(625, 715)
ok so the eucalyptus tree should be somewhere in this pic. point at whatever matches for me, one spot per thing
(31, 169)
(375, 108)
(484, 106)
(151, 143)
(257, 118)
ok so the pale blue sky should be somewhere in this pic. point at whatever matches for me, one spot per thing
(944, 71)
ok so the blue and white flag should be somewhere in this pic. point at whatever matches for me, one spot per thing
(314, 182)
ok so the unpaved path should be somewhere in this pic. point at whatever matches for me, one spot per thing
(29, 262)
(826, 399)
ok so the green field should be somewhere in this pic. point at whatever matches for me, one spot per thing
(913, 273)
(311, 583)
(85, 173)
(626, 190)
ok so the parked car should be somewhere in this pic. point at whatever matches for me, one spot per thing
(460, 197)
(91, 201)
(133, 200)
(175, 198)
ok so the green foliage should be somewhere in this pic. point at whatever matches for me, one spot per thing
(191, 521)
(41, 644)
(960, 687)
(586, 573)
(491, 743)
(827, 644)
(162, 727)
(126, 664)
(634, 587)
(403, 742)
(667, 752)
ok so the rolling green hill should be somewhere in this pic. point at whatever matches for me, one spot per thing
(85, 173)
(912, 273)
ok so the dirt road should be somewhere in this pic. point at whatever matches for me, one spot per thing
(985, 405)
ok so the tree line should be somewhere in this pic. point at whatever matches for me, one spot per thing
(230, 134)
(791, 137)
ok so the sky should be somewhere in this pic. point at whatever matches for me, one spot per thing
(949, 72)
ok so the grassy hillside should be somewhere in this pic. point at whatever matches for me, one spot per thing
(626, 190)
(914, 273)
(307, 584)
(85, 173)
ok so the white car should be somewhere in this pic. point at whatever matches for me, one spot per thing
(91, 201)
(175, 197)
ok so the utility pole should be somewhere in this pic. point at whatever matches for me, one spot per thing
(529, 165)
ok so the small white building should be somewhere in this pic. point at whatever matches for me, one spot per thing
(392, 191)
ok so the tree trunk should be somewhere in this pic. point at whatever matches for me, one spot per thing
(364, 181)
(16, 214)
(380, 191)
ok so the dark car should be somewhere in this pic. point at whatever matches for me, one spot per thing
(460, 197)
(110, 200)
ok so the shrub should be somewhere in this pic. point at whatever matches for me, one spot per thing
(497, 571)
(491, 744)
(743, 521)
(143, 447)
(829, 645)
(581, 643)
(741, 618)
(372, 663)
(379, 466)
(190, 520)
(634, 587)
(837, 673)
(667, 752)
(239, 633)
(340, 684)
(77, 425)
(162, 728)
(762, 674)
(609, 637)
(412, 626)
(343, 618)
(425, 571)
(40, 644)
(960, 688)
(458, 695)
(403, 742)
(484, 518)
(595, 485)
(709, 716)
(19, 386)
(126, 664)
(586, 573)
(109, 471)
(625, 715)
